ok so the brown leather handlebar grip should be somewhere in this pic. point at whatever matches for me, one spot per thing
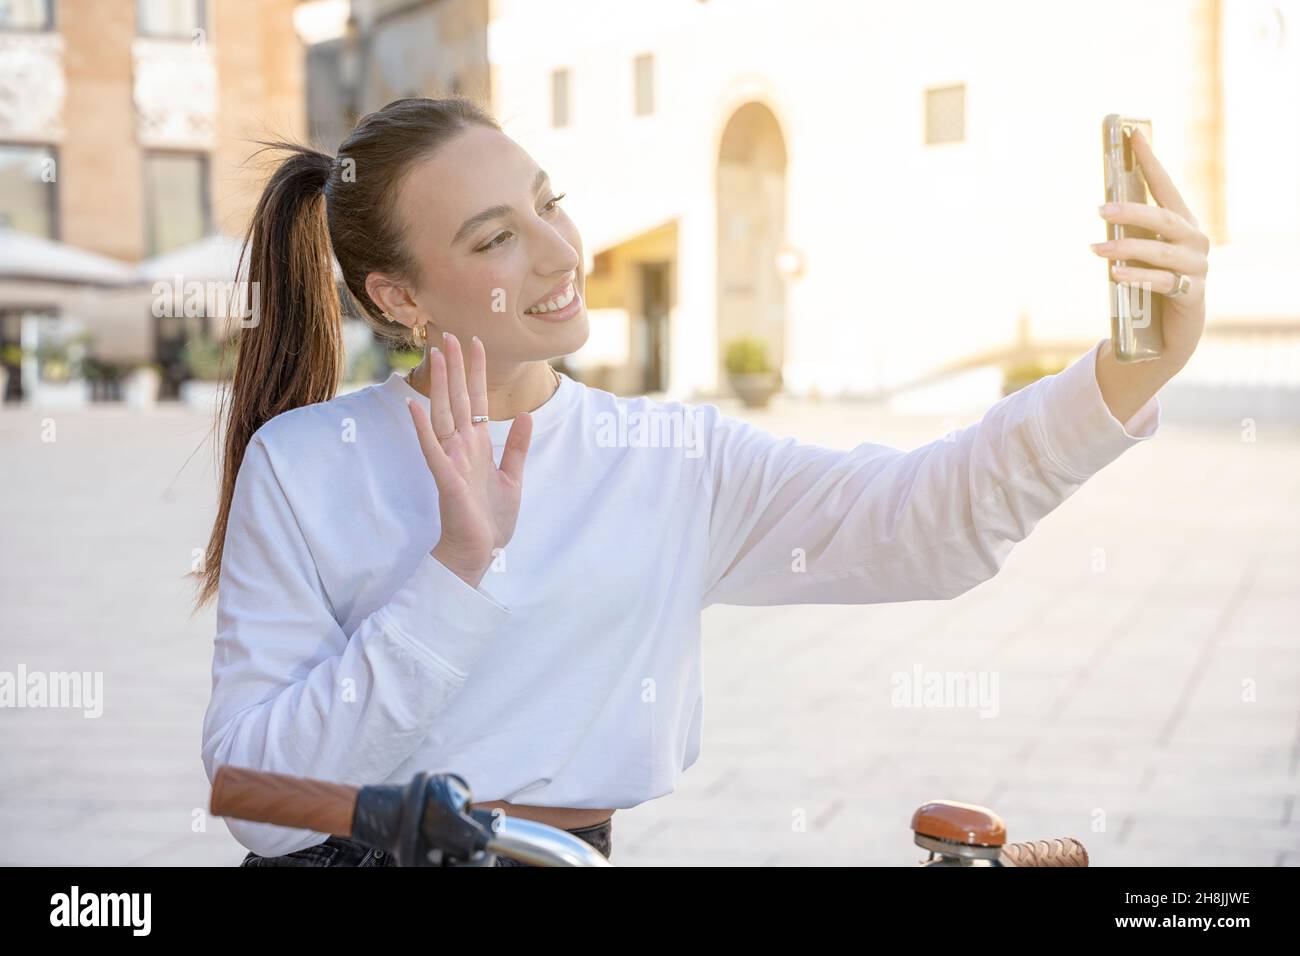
(286, 801)
(1066, 851)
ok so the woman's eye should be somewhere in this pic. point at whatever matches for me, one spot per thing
(549, 207)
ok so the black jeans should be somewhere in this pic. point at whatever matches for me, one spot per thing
(336, 851)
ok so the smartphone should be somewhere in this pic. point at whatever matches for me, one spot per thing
(1136, 314)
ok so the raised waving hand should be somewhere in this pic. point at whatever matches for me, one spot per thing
(478, 502)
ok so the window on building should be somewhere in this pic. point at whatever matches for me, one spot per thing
(945, 114)
(177, 210)
(26, 14)
(560, 98)
(169, 18)
(645, 85)
(29, 189)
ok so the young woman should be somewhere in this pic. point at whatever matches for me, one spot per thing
(394, 596)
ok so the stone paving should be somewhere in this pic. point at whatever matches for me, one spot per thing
(1145, 640)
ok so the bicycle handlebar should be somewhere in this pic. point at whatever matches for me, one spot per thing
(427, 822)
(538, 843)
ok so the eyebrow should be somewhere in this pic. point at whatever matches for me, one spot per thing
(493, 212)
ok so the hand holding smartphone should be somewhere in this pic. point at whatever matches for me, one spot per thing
(1136, 317)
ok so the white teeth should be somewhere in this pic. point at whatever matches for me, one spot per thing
(555, 304)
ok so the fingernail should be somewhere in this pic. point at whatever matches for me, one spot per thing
(475, 338)
(1106, 208)
(444, 336)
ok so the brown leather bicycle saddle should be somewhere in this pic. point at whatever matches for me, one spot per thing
(963, 823)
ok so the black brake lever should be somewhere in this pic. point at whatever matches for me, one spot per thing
(424, 823)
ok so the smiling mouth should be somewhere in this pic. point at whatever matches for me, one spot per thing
(572, 306)
(556, 303)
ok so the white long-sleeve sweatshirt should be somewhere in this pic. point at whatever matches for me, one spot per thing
(571, 675)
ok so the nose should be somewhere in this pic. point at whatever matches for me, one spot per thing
(556, 255)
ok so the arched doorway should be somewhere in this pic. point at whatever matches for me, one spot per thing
(751, 228)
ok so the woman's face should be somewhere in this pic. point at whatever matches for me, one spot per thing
(478, 276)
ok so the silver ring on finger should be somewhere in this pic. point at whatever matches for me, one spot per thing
(479, 419)
(1182, 285)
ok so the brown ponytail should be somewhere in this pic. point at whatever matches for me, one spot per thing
(314, 209)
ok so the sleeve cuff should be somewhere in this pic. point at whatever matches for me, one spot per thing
(1078, 430)
(441, 614)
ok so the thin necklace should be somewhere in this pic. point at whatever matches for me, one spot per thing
(554, 374)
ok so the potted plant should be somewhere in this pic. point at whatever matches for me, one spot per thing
(1017, 376)
(403, 360)
(143, 383)
(210, 363)
(11, 356)
(103, 377)
(751, 374)
(61, 366)
(364, 366)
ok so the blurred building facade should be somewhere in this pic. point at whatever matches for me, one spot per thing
(882, 193)
(125, 129)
